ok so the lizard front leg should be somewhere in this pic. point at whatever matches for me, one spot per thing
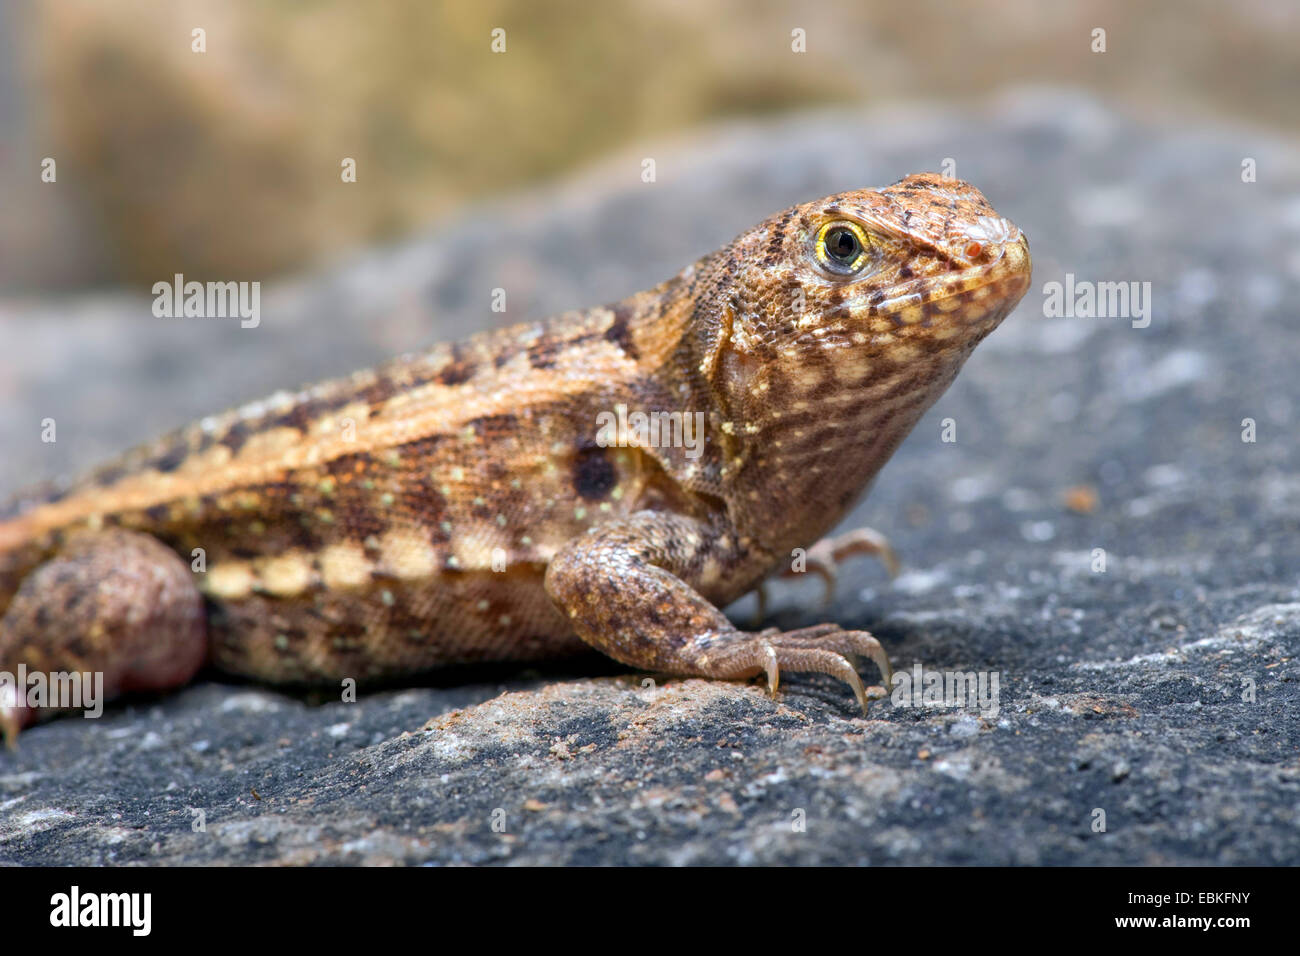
(631, 589)
(117, 603)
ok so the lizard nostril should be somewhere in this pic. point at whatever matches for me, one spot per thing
(973, 250)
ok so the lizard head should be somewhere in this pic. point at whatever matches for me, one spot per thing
(840, 321)
(916, 273)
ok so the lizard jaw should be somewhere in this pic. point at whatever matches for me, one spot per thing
(977, 292)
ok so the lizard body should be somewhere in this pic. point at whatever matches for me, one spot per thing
(467, 504)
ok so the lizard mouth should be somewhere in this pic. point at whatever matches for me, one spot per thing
(987, 290)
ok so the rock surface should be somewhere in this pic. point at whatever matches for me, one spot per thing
(1160, 692)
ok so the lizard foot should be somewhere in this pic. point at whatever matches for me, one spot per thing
(825, 557)
(823, 649)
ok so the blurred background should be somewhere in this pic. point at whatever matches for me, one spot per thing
(227, 163)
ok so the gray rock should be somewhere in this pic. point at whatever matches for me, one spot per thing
(1160, 692)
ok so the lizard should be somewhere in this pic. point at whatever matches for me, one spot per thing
(466, 504)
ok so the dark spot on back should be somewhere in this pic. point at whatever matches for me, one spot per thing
(490, 428)
(109, 475)
(541, 354)
(593, 474)
(621, 334)
(235, 436)
(357, 463)
(171, 459)
(378, 391)
(458, 371)
(300, 416)
(361, 517)
(303, 536)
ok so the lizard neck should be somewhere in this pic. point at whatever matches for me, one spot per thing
(802, 441)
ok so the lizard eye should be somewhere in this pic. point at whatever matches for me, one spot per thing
(842, 247)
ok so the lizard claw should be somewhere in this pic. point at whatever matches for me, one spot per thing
(828, 554)
(865, 541)
(825, 557)
(822, 648)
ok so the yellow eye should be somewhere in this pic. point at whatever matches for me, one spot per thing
(842, 247)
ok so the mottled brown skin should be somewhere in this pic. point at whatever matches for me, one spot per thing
(455, 506)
